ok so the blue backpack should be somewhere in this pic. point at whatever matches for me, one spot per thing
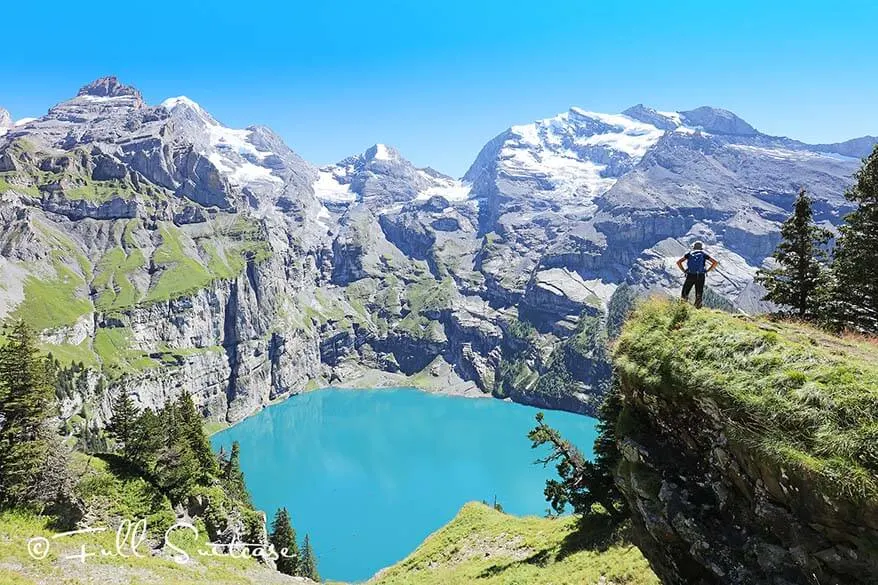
(696, 261)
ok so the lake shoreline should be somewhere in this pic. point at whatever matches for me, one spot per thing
(438, 377)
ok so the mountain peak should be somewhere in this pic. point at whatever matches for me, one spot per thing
(718, 121)
(381, 152)
(5, 119)
(108, 87)
(182, 104)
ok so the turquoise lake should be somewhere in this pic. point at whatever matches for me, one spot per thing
(370, 473)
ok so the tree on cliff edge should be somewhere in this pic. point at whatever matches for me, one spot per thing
(283, 537)
(854, 298)
(583, 483)
(799, 276)
(233, 477)
(192, 430)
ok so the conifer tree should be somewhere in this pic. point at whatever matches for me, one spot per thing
(193, 433)
(584, 483)
(147, 441)
(176, 470)
(26, 398)
(234, 477)
(308, 564)
(123, 424)
(854, 295)
(283, 537)
(801, 257)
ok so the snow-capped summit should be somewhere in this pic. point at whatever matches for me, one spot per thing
(381, 152)
(5, 121)
(231, 151)
(571, 157)
(184, 103)
(380, 175)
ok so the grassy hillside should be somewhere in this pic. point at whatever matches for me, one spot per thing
(800, 397)
(17, 567)
(482, 545)
(109, 495)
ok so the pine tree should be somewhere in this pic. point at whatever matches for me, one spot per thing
(854, 295)
(123, 424)
(234, 477)
(283, 537)
(583, 483)
(801, 257)
(26, 399)
(308, 564)
(147, 441)
(196, 438)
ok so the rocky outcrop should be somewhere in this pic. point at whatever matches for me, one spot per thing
(109, 87)
(77, 209)
(559, 292)
(727, 490)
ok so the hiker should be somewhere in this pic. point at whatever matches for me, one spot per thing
(696, 271)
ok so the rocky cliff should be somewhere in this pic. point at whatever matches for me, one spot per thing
(166, 251)
(748, 449)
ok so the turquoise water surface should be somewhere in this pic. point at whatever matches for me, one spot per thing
(370, 473)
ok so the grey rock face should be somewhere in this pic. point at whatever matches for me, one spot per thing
(855, 148)
(710, 510)
(109, 87)
(244, 271)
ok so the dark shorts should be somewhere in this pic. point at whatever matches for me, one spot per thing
(696, 280)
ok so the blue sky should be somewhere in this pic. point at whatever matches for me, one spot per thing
(439, 79)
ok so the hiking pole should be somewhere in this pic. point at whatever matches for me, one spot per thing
(737, 287)
(718, 271)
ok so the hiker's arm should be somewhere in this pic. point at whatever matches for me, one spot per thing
(713, 264)
(680, 263)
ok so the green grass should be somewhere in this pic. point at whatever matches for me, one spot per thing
(67, 353)
(799, 397)
(11, 181)
(431, 295)
(111, 492)
(99, 191)
(482, 545)
(115, 289)
(221, 256)
(113, 346)
(181, 272)
(53, 303)
(64, 249)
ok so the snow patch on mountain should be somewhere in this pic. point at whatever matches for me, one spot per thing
(578, 154)
(230, 150)
(382, 152)
(672, 116)
(327, 187)
(450, 189)
(790, 154)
